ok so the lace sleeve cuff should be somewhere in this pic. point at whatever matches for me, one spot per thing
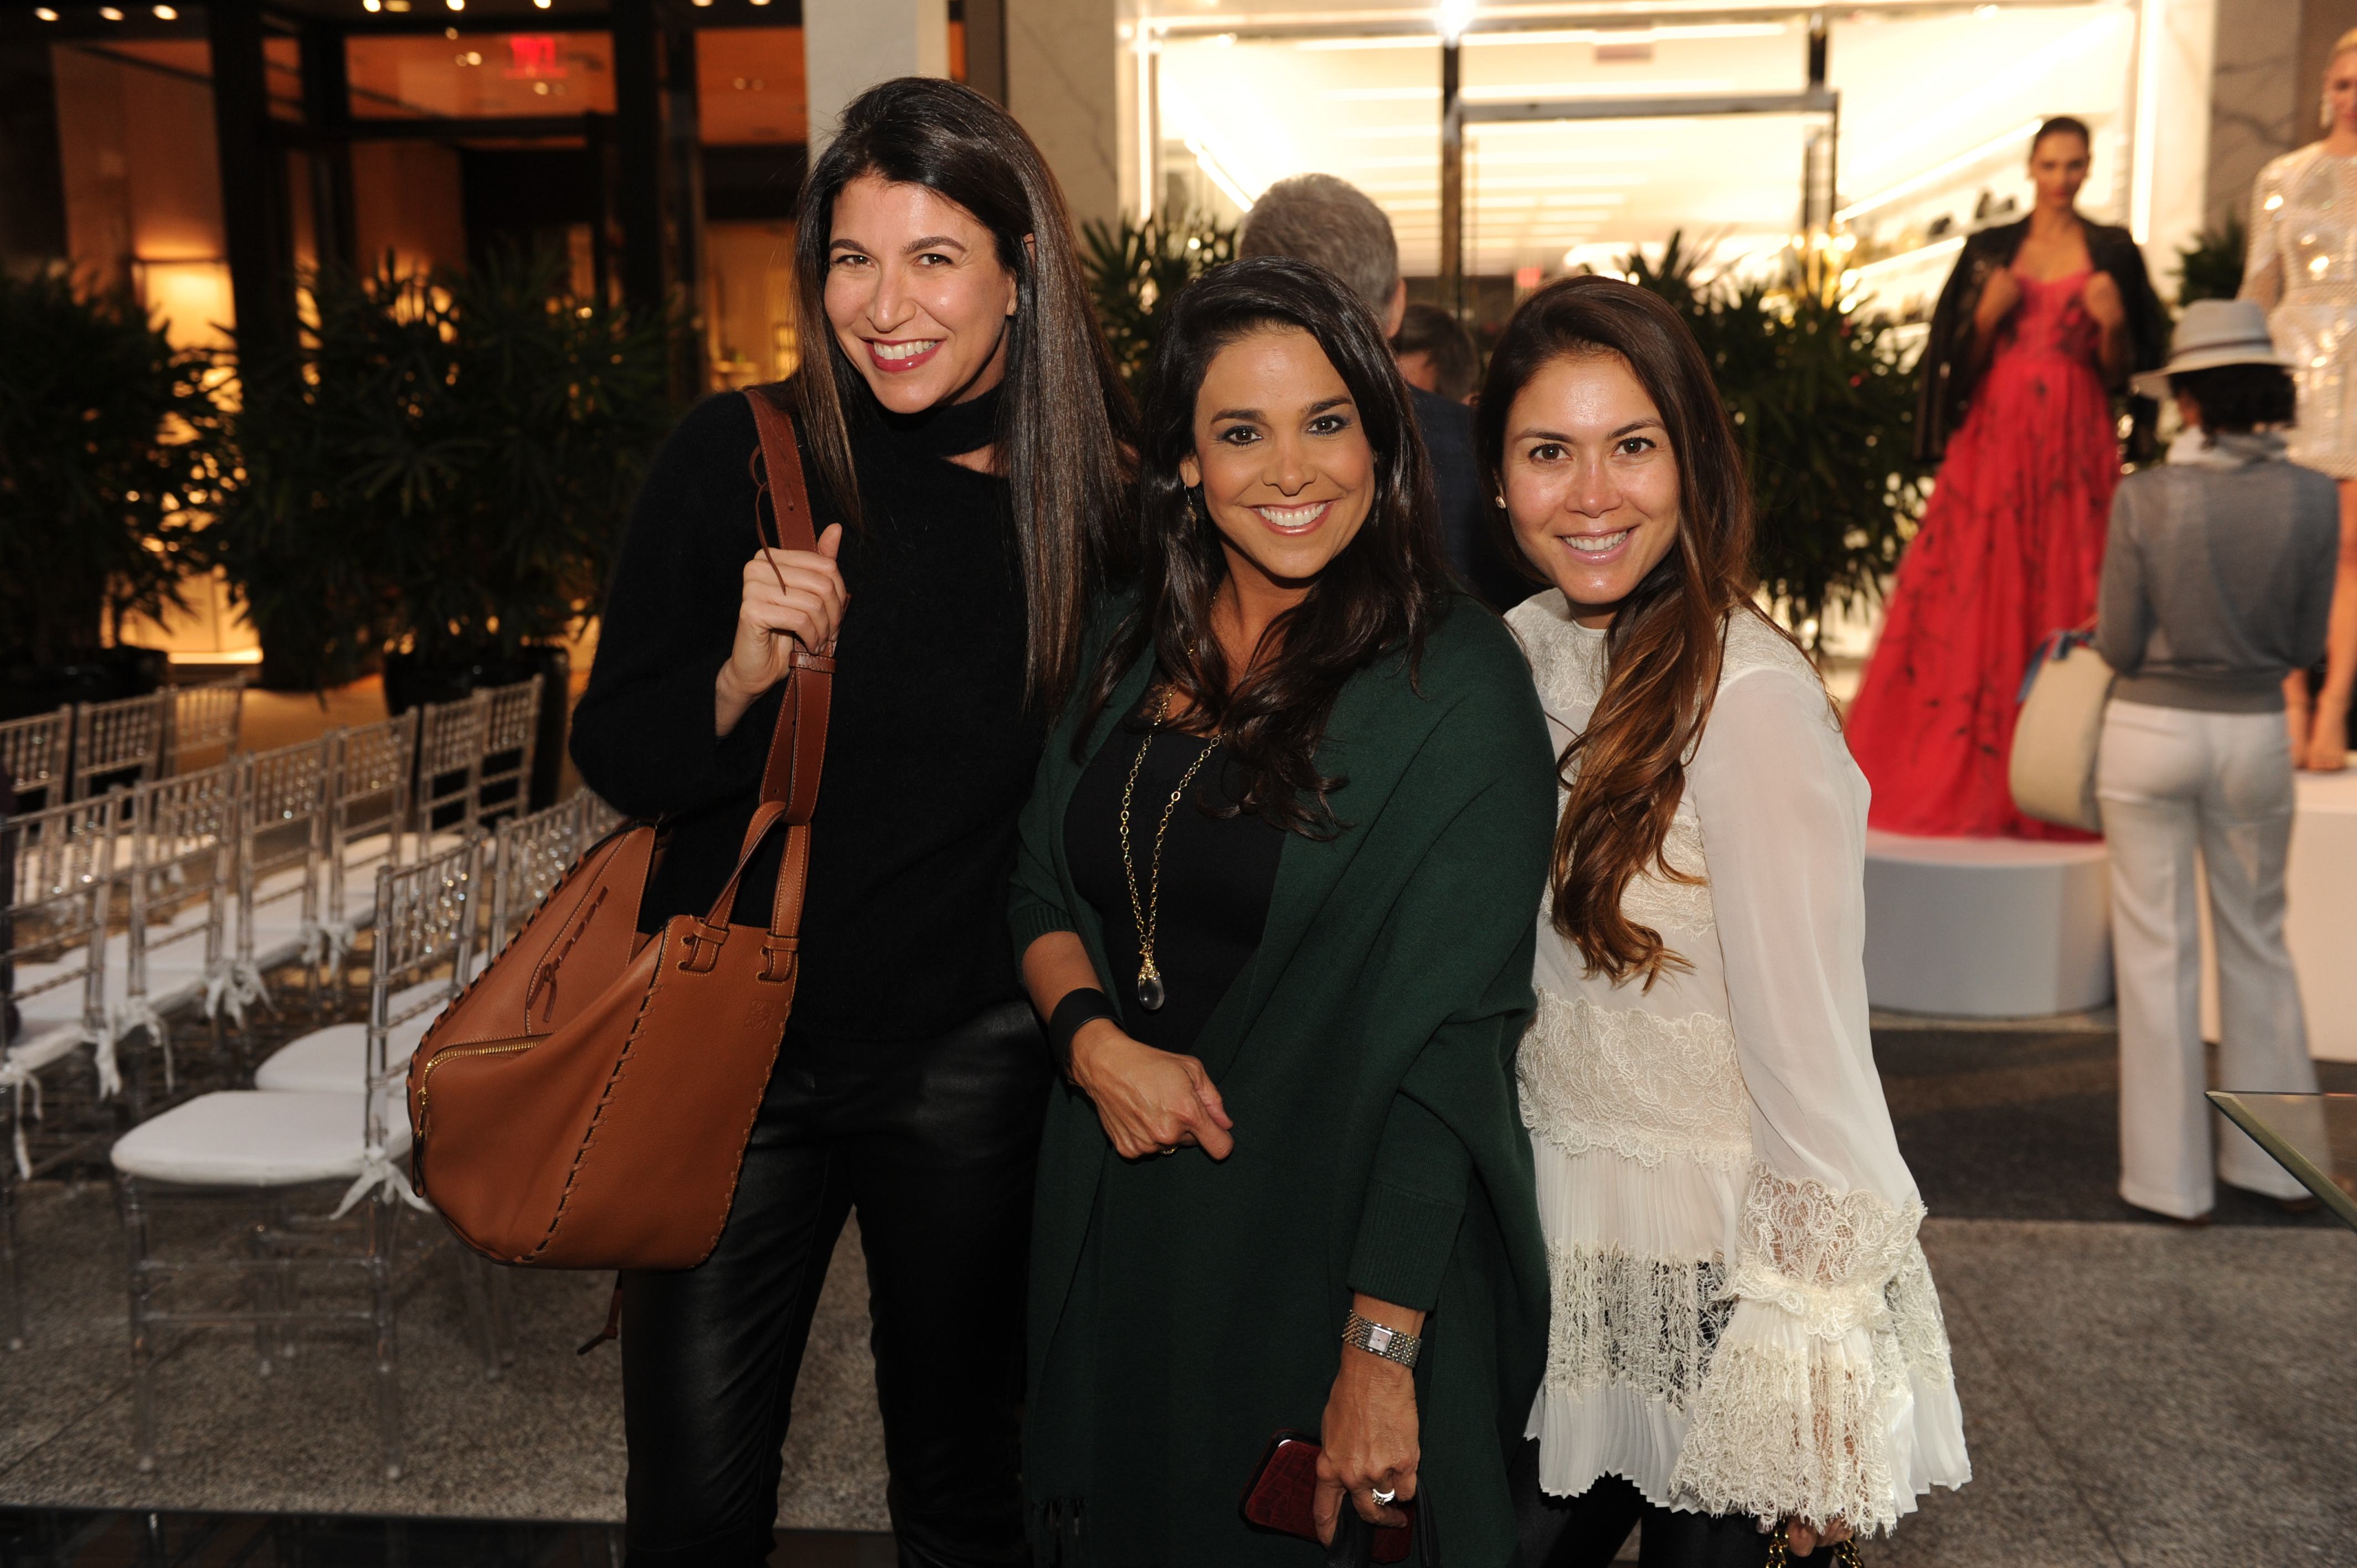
(1829, 1394)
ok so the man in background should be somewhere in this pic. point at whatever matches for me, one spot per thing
(1331, 223)
(1435, 353)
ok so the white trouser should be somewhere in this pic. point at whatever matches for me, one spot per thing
(2171, 780)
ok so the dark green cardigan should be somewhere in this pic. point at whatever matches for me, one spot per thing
(1367, 1057)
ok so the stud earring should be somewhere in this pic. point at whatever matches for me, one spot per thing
(1498, 500)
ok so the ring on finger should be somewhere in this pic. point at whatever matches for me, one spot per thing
(1384, 1495)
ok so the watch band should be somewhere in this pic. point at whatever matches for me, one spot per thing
(1391, 1344)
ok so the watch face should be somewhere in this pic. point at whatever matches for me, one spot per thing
(1379, 1338)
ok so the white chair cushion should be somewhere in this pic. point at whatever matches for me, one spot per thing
(336, 1058)
(241, 1138)
(40, 1045)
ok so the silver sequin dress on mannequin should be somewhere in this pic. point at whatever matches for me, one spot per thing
(2302, 267)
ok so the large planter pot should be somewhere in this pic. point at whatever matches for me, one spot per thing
(87, 675)
(410, 683)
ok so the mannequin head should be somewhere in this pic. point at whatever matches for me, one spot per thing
(2339, 110)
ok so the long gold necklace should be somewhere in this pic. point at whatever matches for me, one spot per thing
(1146, 912)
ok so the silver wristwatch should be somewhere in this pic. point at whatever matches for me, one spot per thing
(1391, 1344)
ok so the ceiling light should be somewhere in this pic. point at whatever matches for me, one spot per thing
(110, 12)
(455, 4)
(165, 14)
(371, 5)
(542, 4)
(44, 14)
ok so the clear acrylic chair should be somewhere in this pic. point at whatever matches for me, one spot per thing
(511, 735)
(118, 743)
(368, 817)
(529, 854)
(35, 752)
(284, 797)
(206, 723)
(183, 873)
(58, 867)
(264, 1154)
(450, 737)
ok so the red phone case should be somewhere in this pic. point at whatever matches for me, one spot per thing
(1285, 1488)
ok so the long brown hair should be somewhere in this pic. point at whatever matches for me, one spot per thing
(1627, 770)
(1064, 419)
(1382, 596)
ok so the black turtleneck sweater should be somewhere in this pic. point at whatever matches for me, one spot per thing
(930, 752)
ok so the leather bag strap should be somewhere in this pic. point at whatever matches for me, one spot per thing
(798, 745)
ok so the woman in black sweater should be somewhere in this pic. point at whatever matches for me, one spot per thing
(964, 430)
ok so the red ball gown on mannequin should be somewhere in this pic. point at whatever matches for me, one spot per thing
(2011, 548)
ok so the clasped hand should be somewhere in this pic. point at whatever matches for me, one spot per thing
(1149, 1102)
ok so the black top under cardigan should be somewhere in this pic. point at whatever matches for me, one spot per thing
(930, 750)
(1946, 373)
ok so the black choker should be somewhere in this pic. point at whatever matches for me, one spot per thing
(951, 431)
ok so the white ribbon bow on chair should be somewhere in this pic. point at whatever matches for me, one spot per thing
(379, 1175)
(232, 982)
(15, 1078)
(328, 941)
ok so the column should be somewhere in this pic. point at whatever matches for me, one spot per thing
(849, 45)
(638, 152)
(253, 215)
(2176, 44)
(1072, 80)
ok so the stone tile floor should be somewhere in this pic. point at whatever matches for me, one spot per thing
(2136, 1394)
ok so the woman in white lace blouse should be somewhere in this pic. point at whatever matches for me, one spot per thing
(1744, 1331)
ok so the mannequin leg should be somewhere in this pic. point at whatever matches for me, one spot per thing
(2328, 736)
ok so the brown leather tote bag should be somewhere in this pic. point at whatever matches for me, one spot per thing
(586, 1102)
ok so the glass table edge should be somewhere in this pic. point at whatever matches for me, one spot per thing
(2319, 1182)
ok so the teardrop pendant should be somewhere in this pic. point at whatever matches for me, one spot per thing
(1151, 995)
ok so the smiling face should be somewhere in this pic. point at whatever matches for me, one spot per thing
(2058, 167)
(916, 295)
(1282, 457)
(1591, 484)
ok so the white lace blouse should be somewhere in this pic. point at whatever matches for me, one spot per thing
(1743, 1321)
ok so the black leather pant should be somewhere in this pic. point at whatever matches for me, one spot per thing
(1586, 1532)
(936, 1149)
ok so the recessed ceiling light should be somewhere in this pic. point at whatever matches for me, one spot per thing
(371, 5)
(45, 15)
(110, 12)
(165, 14)
(455, 4)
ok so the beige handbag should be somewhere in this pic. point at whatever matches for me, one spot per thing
(2052, 769)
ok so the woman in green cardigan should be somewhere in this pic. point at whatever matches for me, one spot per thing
(1273, 896)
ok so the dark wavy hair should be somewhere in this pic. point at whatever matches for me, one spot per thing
(1626, 772)
(2238, 398)
(1064, 423)
(1381, 595)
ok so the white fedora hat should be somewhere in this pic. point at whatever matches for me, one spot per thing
(2212, 332)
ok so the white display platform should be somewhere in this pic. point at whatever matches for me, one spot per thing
(2320, 918)
(1986, 927)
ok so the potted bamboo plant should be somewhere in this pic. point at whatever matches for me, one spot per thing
(437, 479)
(109, 456)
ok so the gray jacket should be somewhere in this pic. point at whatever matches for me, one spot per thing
(2218, 575)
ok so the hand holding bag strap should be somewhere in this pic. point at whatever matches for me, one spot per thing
(798, 745)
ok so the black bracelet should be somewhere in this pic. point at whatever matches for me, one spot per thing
(1077, 1010)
